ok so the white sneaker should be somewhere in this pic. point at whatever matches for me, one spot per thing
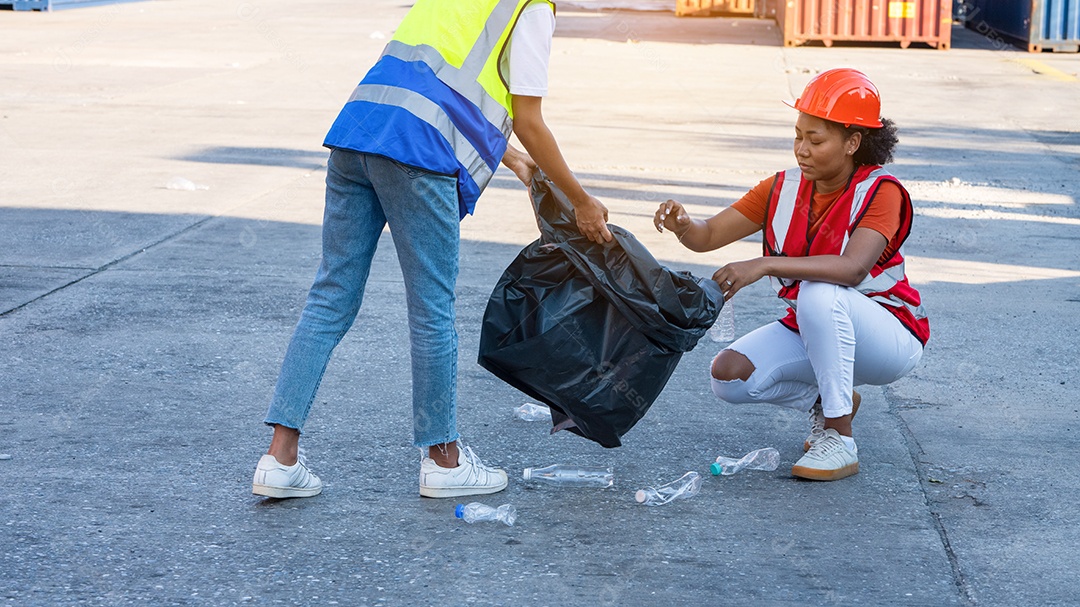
(817, 419)
(273, 479)
(828, 459)
(471, 477)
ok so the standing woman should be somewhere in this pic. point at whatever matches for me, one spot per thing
(832, 229)
(413, 148)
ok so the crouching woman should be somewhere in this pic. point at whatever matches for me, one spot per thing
(833, 230)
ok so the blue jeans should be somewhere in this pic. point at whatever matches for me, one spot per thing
(364, 193)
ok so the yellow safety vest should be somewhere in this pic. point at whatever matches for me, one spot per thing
(438, 98)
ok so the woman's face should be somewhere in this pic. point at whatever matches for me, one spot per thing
(822, 151)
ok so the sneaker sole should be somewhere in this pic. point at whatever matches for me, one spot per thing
(856, 398)
(817, 474)
(284, 492)
(438, 492)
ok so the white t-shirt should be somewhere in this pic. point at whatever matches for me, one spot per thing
(530, 50)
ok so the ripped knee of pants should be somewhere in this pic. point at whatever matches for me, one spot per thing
(732, 390)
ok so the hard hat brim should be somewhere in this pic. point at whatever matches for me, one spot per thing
(795, 106)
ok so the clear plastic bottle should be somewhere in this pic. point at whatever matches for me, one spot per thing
(723, 330)
(571, 476)
(761, 459)
(476, 511)
(532, 412)
(685, 486)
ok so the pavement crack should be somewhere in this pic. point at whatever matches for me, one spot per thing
(95, 271)
(22, 266)
(106, 266)
(895, 407)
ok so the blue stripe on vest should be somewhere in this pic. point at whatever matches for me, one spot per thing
(466, 116)
(393, 132)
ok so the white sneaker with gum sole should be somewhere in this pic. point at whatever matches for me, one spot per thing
(828, 459)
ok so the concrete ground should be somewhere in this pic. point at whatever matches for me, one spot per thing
(141, 327)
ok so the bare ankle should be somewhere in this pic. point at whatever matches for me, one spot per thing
(285, 445)
(444, 455)
(284, 458)
(842, 425)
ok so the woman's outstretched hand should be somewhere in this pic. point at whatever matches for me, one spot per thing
(671, 215)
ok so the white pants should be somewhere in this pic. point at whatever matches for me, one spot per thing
(845, 339)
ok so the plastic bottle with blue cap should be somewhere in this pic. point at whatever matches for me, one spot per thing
(475, 512)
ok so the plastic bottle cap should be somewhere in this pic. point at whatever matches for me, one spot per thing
(640, 496)
(459, 512)
(716, 469)
(526, 474)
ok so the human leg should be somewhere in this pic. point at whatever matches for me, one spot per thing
(767, 365)
(771, 365)
(850, 340)
(818, 420)
(352, 222)
(422, 211)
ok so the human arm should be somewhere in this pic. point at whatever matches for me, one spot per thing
(700, 235)
(534, 135)
(520, 163)
(849, 269)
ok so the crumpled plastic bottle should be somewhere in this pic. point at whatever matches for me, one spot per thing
(476, 512)
(760, 459)
(531, 412)
(686, 486)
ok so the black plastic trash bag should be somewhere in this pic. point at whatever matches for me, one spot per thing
(593, 331)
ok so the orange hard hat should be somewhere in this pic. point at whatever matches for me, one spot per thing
(842, 95)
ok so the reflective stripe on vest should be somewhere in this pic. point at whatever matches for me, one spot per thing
(790, 181)
(884, 281)
(428, 111)
(458, 79)
(857, 205)
(789, 195)
(882, 284)
(442, 70)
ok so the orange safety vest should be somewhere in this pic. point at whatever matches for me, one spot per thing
(787, 222)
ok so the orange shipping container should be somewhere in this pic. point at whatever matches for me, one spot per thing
(704, 8)
(828, 21)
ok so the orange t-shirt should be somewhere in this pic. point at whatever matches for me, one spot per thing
(882, 216)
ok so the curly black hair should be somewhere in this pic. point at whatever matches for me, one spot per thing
(877, 144)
